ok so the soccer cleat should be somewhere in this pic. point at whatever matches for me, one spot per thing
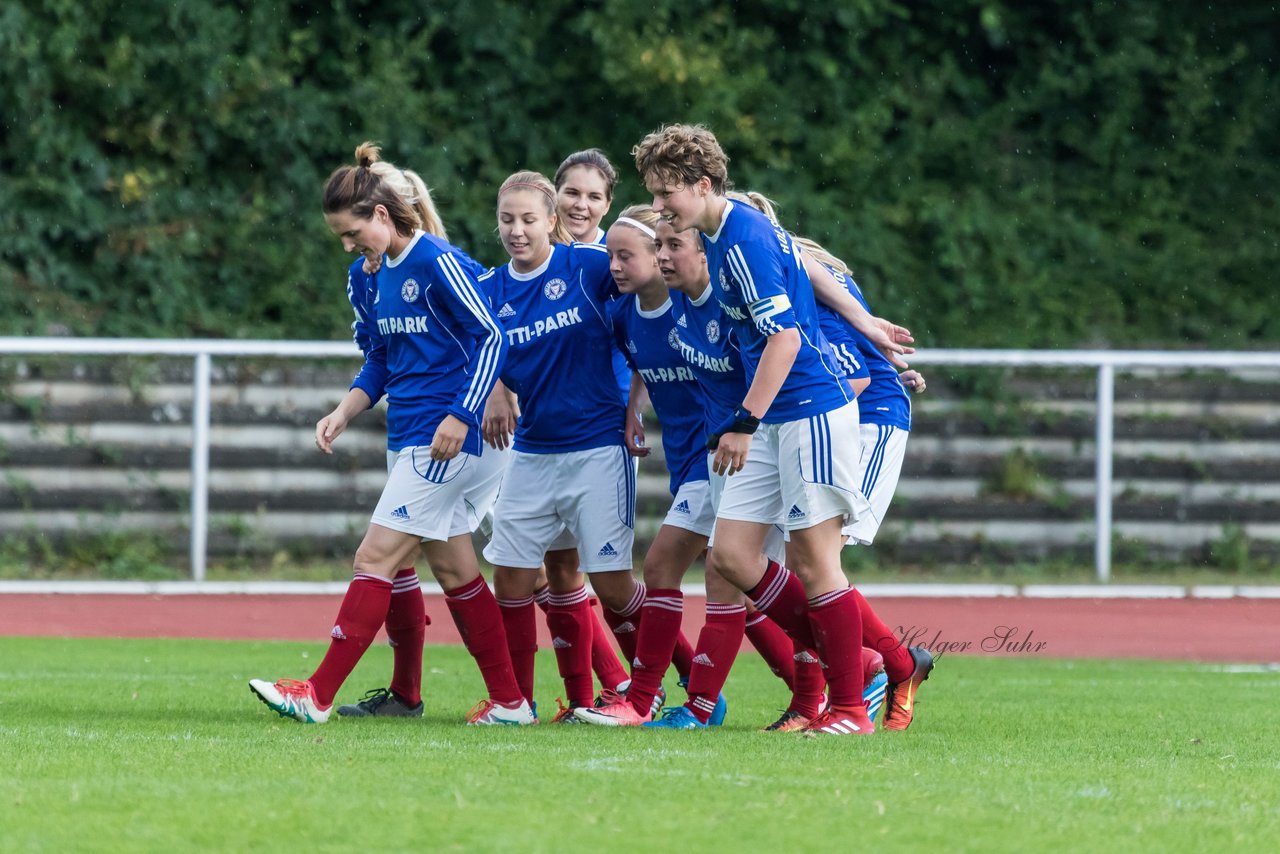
(677, 717)
(608, 698)
(790, 721)
(489, 713)
(873, 694)
(381, 703)
(291, 699)
(620, 713)
(838, 721)
(718, 713)
(900, 698)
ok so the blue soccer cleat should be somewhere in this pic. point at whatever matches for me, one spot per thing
(717, 715)
(873, 694)
(677, 717)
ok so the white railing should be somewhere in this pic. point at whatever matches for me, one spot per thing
(1105, 361)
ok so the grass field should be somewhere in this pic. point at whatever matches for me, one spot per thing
(158, 745)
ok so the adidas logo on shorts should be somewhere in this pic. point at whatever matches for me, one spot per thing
(703, 659)
(506, 310)
(682, 507)
(560, 643)
(607, 551)
(796, 513)
(401, 513)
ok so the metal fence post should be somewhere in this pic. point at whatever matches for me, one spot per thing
(200, 393)
(1102, 483)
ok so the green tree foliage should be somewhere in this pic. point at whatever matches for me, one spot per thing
(997, 173)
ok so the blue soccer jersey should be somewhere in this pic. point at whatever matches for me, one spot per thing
(652, 348)
(621, 370)
(560, 357)
(432, 344)
(762, 286)
(885, 401)
(709, 346)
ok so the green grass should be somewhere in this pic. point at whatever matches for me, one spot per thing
(158, 745)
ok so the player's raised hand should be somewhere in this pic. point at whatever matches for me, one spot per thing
(371, 265)
(899, 334)
(893, 351)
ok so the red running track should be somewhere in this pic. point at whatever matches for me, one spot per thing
(1234, 630)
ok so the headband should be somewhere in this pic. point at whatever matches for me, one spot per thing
(538, 187)
(626, 220)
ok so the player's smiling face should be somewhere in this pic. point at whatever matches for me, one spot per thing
(631, 259)
(582, 201)
(369, 236)
(525, 228)
(681, 260)
(683, 206)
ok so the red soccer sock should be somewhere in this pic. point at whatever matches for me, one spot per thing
(361, 614)
(625, 623)
(407, 629)
(655, 643)
(717, 648)
(682, 656)
(777, 650)
(479, 620)
(520, 623)
(898, 664)
(569, 618)
(806, 695)
(541, 597)
(837, 630)
(604, 661)
(781, 597)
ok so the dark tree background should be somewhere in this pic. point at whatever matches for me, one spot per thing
(998, 173)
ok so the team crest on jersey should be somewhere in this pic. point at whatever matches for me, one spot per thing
(673, 339)
(724, 283)
(410, 291)
(555, 288)
(713, 330)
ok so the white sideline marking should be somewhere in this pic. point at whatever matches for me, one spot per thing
(923, 591)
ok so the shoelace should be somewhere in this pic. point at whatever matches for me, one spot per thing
(292, 687)
(610, 697)
(375, 699)
(565, 712)
(479, 710)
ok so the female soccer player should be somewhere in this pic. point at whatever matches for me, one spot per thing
(885, 423)
(434, 347)
(787, 446)
(570, 469)
(584, 192)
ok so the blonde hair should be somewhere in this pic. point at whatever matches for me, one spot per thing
(642, 214)
(360, 189)
(681, 155)
(538, 183)
(410, 186)
(767, 206)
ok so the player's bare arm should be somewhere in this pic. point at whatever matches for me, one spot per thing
(331, 426)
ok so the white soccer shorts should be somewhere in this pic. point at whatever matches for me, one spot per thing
(438, 500)
(802, 472)
(775, 541)
(692, 509)
(590, 493)
(883, 449)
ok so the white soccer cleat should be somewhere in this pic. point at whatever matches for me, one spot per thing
(291, 699)
(489, 713)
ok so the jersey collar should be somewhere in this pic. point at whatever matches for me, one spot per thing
(535, 272)
(395, 262)
(724, 217)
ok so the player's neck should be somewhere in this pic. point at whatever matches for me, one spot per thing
(530, 266)
(652, 295)
(713, 214)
